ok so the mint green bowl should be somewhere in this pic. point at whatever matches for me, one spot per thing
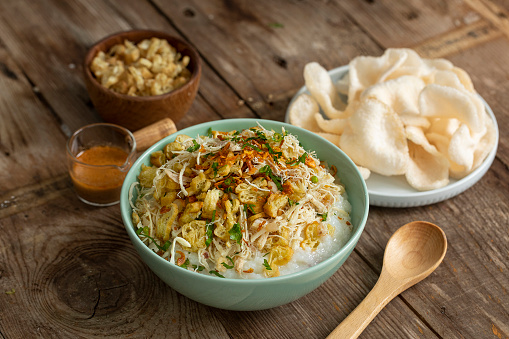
(254, 294)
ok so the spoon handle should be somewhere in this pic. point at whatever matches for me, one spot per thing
(382, 293)
(150, 134)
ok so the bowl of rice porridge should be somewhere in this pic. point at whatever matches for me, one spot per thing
(259, 212)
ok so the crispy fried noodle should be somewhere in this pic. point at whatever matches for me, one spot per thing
(237, 204)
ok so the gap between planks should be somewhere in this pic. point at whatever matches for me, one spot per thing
(496, 15)
(31, 196)
(458, 40)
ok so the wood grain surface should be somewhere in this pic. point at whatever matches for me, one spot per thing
(68, 270)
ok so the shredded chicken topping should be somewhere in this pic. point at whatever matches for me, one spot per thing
(230, 196)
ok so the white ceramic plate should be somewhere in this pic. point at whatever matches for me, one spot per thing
(395, 191)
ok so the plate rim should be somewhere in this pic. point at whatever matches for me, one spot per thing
(419, 198)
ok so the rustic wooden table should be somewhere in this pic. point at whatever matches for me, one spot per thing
(69, 270)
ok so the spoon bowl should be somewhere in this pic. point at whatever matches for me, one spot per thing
(412, 253)
(415, 250)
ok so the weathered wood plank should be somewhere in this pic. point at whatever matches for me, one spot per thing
(51, 60)
(318, 313)
(72, 267)
(455, 328)
(75, 273)
(32, 196)
(29, 133)
(458, 40)
(408, 23)
(260, 48)
(467, 294)
(495, 11)
(65, 42)
(477, 289)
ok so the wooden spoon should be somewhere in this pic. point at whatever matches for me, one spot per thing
(412, 253)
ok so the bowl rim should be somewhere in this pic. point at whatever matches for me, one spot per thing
(125, 209)
(94, 49)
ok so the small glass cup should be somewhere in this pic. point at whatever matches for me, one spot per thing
(99, 157)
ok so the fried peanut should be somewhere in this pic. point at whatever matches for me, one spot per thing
(152, 67)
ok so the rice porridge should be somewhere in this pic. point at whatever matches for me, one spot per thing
(248, 204)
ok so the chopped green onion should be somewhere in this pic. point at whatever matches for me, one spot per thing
(266, 169)
(271, 151)
(214, 168)
(199, 268)
(259, 133)
(277, 137)
(145, 230)
(216, 273)
(301, 159)
(210, 229)
(323, 216)
(235, 137)
(276, 25)
(292, 202)
(235, 233)
(249, 207)
(252, 146)
(195, 146)
(226, 265)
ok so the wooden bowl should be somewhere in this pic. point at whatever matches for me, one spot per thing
(137, 112)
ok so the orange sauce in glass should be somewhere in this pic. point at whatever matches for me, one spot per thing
(99, 185)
